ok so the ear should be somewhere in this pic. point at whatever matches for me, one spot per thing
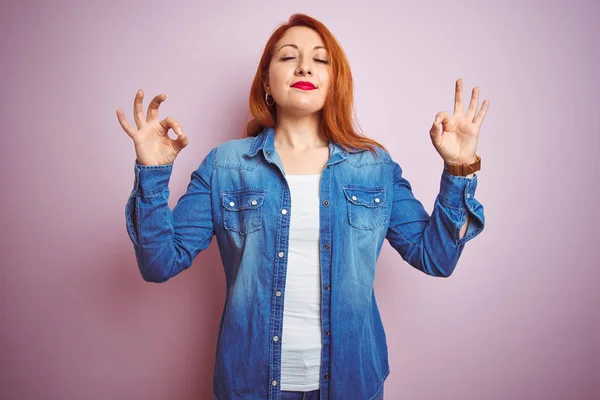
(265, 81)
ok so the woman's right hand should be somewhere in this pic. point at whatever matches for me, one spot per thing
(153, 146)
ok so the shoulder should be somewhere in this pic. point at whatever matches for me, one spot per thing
(230, 153)
(367, 157)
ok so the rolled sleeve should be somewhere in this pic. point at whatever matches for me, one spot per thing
(431, 243)
(167, 241)
(457, 195)
(151, 180)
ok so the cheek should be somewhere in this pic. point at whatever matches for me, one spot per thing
(278, 74)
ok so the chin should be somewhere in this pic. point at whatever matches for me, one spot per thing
(302, 109)
(302, 112)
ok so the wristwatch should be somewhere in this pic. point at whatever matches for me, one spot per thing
(463, 169)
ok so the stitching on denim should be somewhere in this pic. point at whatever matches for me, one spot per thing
(238, 215)
(235, 166)
(382, 159)
(474, 233)
(137, 221)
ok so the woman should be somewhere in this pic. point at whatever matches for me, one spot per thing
(300, 208)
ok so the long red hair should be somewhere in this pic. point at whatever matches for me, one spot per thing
(337, 123)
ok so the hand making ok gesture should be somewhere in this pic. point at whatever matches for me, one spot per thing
(457, 140)
(152, 144)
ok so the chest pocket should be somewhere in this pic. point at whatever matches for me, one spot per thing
(242, 210)
(367, 206)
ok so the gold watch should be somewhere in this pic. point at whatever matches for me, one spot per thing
(463, 169)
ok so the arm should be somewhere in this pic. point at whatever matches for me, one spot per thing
(166, 242)
(433, 244)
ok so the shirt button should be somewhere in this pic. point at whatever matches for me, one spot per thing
(326, 376)
(275, 338)
(274, 383)
(326, 203)
(326, 247)
(278, 293)
(468, 195)
(377, 200)
(327, 287)
(353, 197)
(284, 211)
(280, 254)
(231, 204)
(254, 202)
(328, 332)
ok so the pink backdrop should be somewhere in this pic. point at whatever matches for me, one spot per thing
(517, 320)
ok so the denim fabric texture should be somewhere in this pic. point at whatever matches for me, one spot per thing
(297, 395)
(239, 194)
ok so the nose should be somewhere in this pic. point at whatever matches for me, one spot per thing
(303, 69)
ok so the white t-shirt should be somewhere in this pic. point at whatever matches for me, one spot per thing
(301, 333)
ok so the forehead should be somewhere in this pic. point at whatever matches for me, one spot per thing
(301, 36)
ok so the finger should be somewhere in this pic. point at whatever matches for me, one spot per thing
(481, 115)
(458, 100)
(435, 133)
(473, 104)
(181, 141)
(442, 116)
(152, 113)
(172, 123)
(138, 114)
(130, 130)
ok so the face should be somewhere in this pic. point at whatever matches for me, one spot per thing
(299, 56)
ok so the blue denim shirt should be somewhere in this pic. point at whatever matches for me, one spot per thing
(240, 195)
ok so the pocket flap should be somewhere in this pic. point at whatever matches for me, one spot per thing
(242, 199)
(363, 196)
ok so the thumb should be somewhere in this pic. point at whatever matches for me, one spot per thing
(435, 133)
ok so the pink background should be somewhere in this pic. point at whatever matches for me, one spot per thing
(517, 320)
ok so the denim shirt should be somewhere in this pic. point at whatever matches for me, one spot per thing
(239, 193)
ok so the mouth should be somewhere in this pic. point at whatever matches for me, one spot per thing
(304, 85)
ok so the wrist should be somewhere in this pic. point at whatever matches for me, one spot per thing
(459, 161)
(463, 167)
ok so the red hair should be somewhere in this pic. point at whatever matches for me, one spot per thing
(337, 122)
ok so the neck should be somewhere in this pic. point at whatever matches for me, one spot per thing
(299, 132)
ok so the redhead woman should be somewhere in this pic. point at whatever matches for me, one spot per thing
(300, 208)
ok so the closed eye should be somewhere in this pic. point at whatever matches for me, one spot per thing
(316, 59)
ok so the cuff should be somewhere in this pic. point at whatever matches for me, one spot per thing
(456, 190)
(151, 180)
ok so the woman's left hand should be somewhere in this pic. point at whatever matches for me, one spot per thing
(458, 142)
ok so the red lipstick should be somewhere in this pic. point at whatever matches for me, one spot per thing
(304, 85)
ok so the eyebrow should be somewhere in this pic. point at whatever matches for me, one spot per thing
(296, 47)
